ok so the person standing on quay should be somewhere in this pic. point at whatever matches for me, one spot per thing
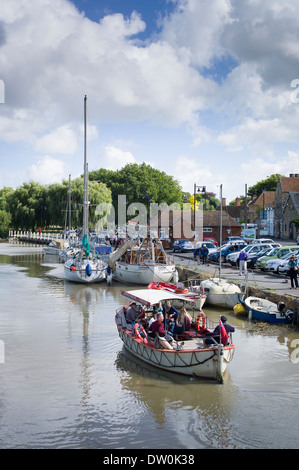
(243, 262)
(293, 266)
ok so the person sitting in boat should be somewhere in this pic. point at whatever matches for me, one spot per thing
(154, 316)
(157, 328)
(217, 333)
(169, 312)
(181, 322)
(132, 313)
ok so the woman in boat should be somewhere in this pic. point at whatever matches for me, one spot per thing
(181, 322)
(169, 312)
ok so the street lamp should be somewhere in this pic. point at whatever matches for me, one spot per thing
(197, 189)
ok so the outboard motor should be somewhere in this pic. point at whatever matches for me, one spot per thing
(281, 308)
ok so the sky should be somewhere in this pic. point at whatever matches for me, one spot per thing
(205, 90)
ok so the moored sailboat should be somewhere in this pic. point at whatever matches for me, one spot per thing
(142, 262)
(86, 266)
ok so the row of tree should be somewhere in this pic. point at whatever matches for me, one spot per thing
(33, 205)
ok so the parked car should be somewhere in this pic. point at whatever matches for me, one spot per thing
(276, 253)
(283, 268)
(213, 240)
(232, 239)
(262, 240)
(225, 251)
(273, 264)
(233, 258)
(253, 257)
(182, 245)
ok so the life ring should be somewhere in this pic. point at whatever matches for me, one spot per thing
(201, 322)
(139, 331)
(181, 291)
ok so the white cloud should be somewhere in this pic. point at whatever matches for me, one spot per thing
(46, 171)
(116, 158)
(62, 140)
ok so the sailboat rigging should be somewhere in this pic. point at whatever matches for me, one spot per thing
(86, 266)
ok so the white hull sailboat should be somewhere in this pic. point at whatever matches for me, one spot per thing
(142, 263)
(220, 292)
(85, 266)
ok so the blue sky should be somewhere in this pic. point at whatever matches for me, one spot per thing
(199, 89)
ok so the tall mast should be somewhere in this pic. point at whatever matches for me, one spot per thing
(85, 194)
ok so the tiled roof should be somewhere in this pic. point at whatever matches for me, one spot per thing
(289, 184)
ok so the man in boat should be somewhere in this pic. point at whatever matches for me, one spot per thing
(132, 313)
(157, 328)
(219, 333)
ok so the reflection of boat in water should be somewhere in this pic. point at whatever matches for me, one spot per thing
(191, 358)
(193, 298)
(267, 311)
(136, 262)
(56, 246)
(220, 292)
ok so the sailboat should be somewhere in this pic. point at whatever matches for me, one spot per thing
(142, 262)
(86, 266)
(220, 292)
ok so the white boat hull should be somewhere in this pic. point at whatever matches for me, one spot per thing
(221, 293)
(208, 363)
(77, 271)
(143, 274)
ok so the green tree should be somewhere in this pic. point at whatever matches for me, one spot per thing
(268, 184)
(5, 222)
(140, 184)
(27, 206)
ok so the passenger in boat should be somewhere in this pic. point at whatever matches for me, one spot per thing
(157, 327)
(216, 333)
(154, 317)
(293, 267)
(169, 312)
(132, 313)
(181, 322)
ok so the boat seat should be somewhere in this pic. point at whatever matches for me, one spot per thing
(164, 343)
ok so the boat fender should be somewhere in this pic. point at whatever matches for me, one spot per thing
(140, 332)
(201, 322)
(73, 268)
(88, 270)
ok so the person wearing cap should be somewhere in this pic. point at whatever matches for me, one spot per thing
(132, 313)
(216, 333)
(293, 270)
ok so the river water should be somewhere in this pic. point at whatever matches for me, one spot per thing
(67, 383)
